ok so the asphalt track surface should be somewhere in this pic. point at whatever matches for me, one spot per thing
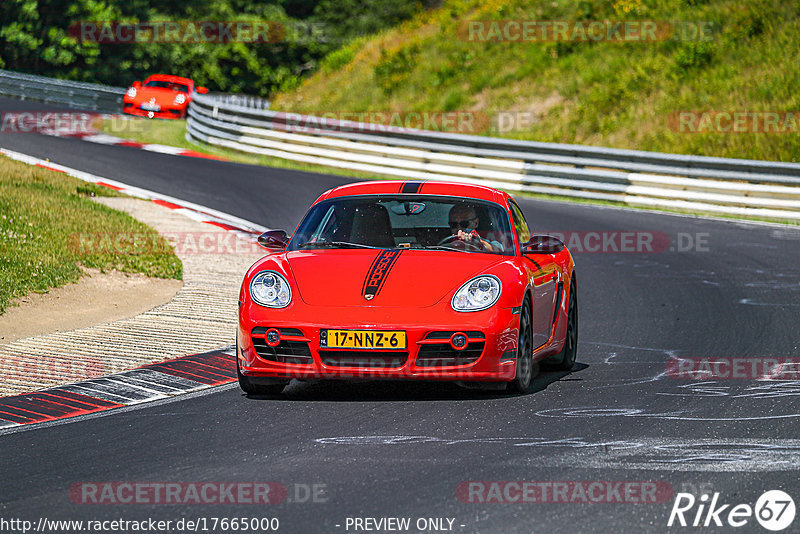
(401, 449)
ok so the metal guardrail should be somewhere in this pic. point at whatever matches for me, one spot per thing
(697, 183)
(245, 101)
(86, 96)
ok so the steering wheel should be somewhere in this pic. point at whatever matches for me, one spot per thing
(455, 237)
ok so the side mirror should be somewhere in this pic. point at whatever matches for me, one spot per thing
(136, 84)
(273, 240)
(543, 244)
(201, 90)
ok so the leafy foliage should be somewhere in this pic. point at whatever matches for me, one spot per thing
(34, 38)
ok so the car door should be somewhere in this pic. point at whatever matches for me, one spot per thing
(542, 277)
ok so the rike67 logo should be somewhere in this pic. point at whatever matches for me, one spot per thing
(774, 510)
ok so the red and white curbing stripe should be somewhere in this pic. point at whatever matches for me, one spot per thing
(245, 229)
(148, 383)
(111, 140)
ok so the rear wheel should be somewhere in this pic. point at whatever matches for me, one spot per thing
(525, 367)
(564, 360)
(250, 388)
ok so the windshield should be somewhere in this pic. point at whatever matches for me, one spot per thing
(406, 221)
(167, 85)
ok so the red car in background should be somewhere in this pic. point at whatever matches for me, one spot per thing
(161, 96)
(408, 280)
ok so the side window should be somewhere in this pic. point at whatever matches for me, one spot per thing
(520, 225)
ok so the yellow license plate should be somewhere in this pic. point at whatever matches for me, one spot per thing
(363, 339)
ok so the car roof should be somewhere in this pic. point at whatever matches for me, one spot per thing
(393, 187)
(169, 78)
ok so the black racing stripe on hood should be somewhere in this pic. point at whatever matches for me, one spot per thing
(411, 187)
(379, 271)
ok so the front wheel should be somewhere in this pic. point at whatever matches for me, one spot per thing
(250, 388)
(523, 380)
(564, 360)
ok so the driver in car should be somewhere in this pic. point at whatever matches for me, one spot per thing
(463, 222)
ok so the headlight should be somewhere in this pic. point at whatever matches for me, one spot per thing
(131, 92)
(270, 289)
(180, 98)
(478, 294)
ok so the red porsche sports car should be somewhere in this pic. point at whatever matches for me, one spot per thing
(408, 280)
(160, 96)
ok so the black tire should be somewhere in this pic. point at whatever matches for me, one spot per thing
(257, 389)
(526, 369)
(564, 360)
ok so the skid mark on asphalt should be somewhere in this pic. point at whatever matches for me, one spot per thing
(573, 443)
(751, 302)
(766, 386)
(767, 389)
(148, 383)
(618, 354)
(774, 284)
(756, 388)
(672, 454)
(680, 415)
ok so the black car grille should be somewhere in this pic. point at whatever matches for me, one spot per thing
(261, 330)
(444, 355)
(287, 351)
(366, 359)
(445, 336)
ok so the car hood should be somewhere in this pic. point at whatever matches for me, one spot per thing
(408, 278)
(164, 97)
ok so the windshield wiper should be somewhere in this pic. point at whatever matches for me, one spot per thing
(439, 247)
(333, 244)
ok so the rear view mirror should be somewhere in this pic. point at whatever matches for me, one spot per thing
(273, 240)
(136, 84)
(543, 244)
(202, 90)
(408, 208)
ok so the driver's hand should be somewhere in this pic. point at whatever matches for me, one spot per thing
(472, 238)
(464, 236)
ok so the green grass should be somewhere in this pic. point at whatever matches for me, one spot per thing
(622, 95)
(50, 227)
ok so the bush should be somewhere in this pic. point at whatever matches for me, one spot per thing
(692, 56)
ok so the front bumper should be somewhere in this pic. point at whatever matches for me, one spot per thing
(490, 355)
(164, 113)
